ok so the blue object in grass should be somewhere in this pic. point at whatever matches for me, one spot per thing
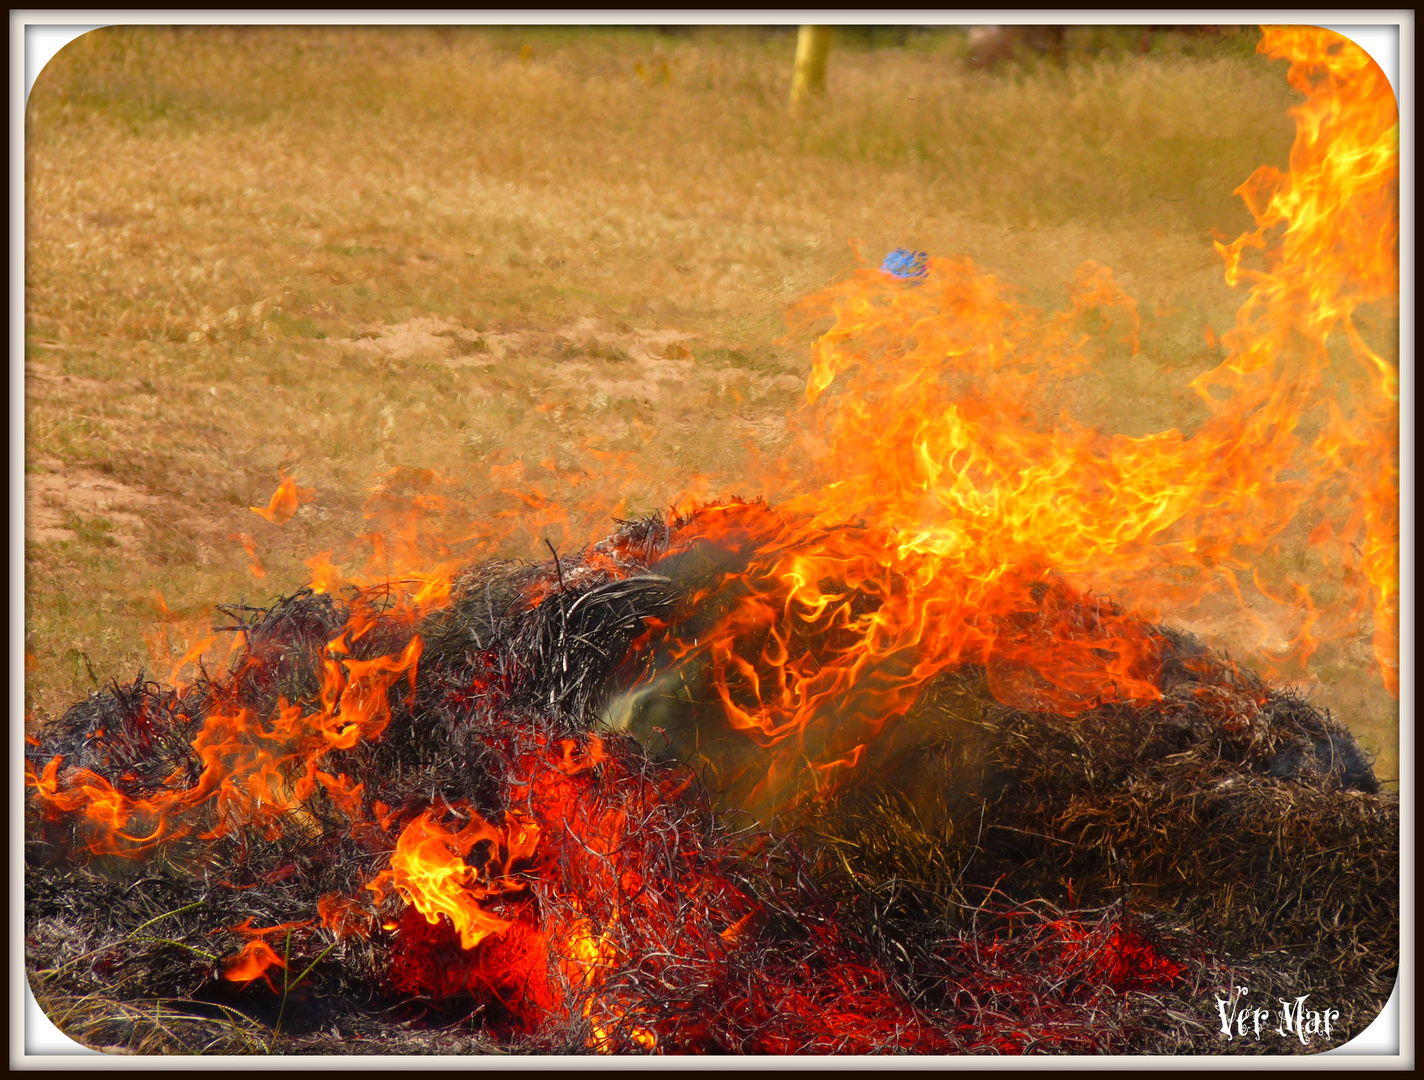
(904, 263)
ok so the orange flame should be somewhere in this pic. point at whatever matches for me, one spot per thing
(249, 545)
(586, 964)
(929, 413)
(194, 633)
(253, 963)
(429, 871)
(285, 501)
(344, 917)
(257, 957)
(253, 772)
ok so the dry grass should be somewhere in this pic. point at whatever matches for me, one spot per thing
(152, 1027)
(336, 251)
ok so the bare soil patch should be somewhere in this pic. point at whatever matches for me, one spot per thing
(54, 498)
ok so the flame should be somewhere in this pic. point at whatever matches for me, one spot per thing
(194, 654)
(257, 957)
(324, 575)
(285, 501)
(1338, 252)
(586, 965)
(998, 520)
(452, 877)
(850, 761)
(253, 963)
(253, 771)
(591, 755)
(249, 545)
(194, 633)
(940, 510)
(429, 871)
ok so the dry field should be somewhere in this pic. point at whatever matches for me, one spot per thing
(556, 254)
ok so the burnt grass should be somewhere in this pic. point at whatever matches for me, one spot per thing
(996, 880)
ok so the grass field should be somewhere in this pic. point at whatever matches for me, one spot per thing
(333, 252)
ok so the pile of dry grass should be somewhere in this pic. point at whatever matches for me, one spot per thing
(1233, 810)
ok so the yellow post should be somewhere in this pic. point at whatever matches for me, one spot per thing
(813, 44)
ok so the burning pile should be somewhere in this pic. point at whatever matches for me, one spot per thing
(872, 771)
(478, 849)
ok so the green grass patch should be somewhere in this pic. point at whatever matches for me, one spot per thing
(96, 531)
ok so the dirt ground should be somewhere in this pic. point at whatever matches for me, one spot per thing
(550, 255)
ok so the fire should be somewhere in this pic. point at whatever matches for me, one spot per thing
(257, 956)
(252, 963)
(344, 917)
(285, 502)
(950, 515)
(253, 771)
(428, 869)
(995, 518)
(586, 964)
(249, 545)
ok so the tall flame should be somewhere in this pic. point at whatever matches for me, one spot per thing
(993, 512)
